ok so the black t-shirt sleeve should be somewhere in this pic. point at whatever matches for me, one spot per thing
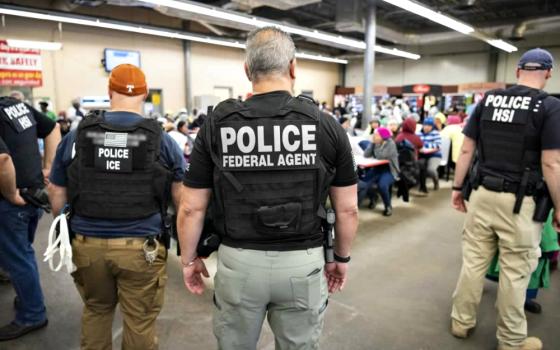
(200, 169)
(550, 137)
(3, 147)
(344, 160)
(44, 124)
(472, 129)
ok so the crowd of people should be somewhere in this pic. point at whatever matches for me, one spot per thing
(415, 150)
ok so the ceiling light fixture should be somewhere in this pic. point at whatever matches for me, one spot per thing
(432, 15)
(438, 17)
(320, 58)
(260, 22)
(37, 45)
(397, 52)
(500, 44)
(142, 30)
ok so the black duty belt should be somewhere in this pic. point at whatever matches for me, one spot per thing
(498, 184)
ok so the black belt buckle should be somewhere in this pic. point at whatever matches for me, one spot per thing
(493, 183)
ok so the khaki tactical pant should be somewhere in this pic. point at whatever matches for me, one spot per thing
(289, 288)
(491, 224)
(112, 271)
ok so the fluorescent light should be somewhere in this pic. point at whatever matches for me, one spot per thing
(176, 35)
(320, 58)
(500, 44)
(190, 37)
(432, 15)
(38, 45)
(255, 22)
(397, 52)
(260, 22)
(121, 27)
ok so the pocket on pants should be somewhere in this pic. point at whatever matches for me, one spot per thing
(82, 262)
(158, 300)
(229, 285)
(533, 261)
(307, 291)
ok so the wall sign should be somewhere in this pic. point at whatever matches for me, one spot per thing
(20, 67)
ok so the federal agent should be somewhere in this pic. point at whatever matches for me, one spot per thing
(21, 171)
(115, 172)
(270, 163)
(515, 135)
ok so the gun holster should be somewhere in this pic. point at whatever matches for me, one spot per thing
(543, 204)
(37, 197)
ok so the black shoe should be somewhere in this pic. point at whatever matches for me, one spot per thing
(372, 204)
(388, 211)
(13, 330)
(533, 307)
(423, 190)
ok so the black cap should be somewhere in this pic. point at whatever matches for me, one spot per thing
(536, 59)
(44, 103)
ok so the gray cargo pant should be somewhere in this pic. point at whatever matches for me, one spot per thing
(289, 288)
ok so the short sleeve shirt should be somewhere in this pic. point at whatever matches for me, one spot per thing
(333, 143)
(550, 125)
(171, 156)
(21, 142)
(3, 147)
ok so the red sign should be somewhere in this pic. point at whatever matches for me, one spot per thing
(20, 67)
(421, 89)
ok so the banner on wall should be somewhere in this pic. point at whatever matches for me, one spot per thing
(20, 67)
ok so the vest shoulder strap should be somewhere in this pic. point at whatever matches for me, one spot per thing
(227, 108)
(303, 105)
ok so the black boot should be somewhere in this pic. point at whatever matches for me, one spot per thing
(13, 330)
(533, 307)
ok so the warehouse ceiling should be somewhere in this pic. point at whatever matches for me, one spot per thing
(504, 19)
(479, 13)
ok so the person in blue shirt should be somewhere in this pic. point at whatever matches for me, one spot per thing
(115, 172)
(430, 155)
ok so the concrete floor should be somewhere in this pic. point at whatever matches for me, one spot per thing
(402, 275)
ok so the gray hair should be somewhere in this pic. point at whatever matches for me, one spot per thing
(269, 50)
(18, 95)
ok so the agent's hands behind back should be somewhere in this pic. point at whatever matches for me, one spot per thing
(192, 276)
(336, 276)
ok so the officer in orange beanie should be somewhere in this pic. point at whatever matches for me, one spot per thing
(115, 184)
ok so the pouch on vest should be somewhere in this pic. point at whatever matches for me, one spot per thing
(283, 218)
(116, 173)
(270, 181)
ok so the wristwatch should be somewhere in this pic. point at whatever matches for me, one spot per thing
(341, 259)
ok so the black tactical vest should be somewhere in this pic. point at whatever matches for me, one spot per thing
(509, 142)
(116, 173)
(21, 137)
(270, 183)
